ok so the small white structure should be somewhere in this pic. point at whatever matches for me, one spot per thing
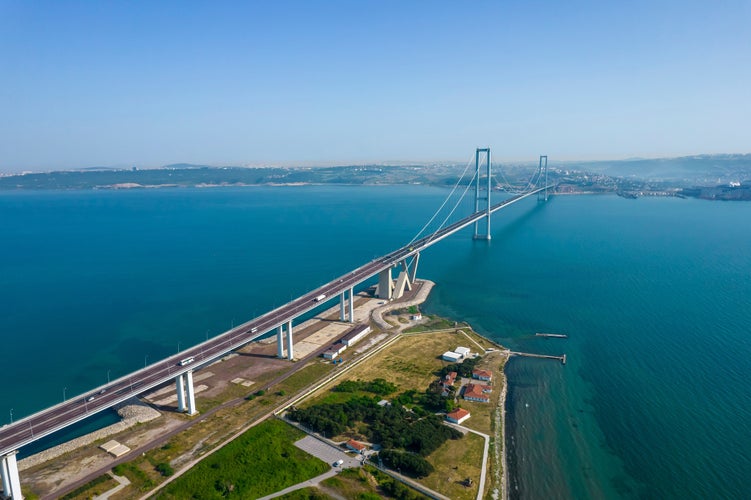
(114, 448)
(416, 317)
(451, 356)
(334, 351)
(463, 351)
(354, 334)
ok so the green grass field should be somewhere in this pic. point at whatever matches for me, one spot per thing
(260, 462)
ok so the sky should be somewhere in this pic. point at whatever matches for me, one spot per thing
(115, 83)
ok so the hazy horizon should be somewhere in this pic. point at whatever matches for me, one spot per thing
(292, 82)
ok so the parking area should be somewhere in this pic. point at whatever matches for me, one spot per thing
(327, 452)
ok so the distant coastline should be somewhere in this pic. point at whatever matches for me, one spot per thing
(709, 177)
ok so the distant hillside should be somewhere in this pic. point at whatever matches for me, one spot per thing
(186, 175)
(700, 169)
(703, 176)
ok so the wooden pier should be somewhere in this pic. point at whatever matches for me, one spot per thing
(561, 358)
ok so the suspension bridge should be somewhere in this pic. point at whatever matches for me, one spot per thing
(180, 368)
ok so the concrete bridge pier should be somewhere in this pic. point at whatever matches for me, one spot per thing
(10, 477)
(343, 309)
(280, 342)
(191, 393)
(184, 383)
(290, 346)
(413, 272)
(351, 305)
(385, 285)
(180, 388)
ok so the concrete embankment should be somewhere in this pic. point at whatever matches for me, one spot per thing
(132, 412)
(422, 294)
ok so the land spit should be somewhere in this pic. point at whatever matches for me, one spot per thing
(85, 462)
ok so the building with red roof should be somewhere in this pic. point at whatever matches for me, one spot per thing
(458, 416)
(482, 374)
(474, 392)
(356, 446)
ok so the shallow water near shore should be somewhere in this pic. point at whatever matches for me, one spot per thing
(653, 401)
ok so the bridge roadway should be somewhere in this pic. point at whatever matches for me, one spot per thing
(45, 422)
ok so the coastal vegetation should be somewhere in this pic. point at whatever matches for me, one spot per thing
(378, 386)
(413, 365)
(364, 483)
(406, 436)
(259, 462)
(95, 487)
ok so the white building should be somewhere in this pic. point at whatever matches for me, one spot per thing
(354, 334)
(463, 351)
(451, 356)
(334, 351)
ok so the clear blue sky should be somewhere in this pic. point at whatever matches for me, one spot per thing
(150, 83)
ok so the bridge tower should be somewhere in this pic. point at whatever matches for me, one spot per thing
(543, 171)
(479, 198)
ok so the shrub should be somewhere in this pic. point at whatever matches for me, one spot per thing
(164, 469)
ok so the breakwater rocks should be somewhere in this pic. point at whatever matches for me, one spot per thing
(132, 411)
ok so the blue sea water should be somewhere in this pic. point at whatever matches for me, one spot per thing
(654, 401)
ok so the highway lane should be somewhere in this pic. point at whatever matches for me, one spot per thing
(45, 422)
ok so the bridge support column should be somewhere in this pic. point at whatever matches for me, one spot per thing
(342, 300)
(280, 342)
(385, 284)
(180, 387)
(290, 346)
(413, 273)
(11, 479)
(191, 393)
(408, 282)
(351, 305)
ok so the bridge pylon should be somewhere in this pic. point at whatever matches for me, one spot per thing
(479, 197)
(543, 177)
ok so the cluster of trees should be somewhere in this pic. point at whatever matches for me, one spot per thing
(418, 433)
(434, 400)
(407, 463)
(378, 386)
(335, 418)
(463, 369)
(395, 489)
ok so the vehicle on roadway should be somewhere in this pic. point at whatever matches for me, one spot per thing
(320, 298)
(90, 398)
(338, 463)
(186, 361)
(254, 329)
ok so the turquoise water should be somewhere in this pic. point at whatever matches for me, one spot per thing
(654, 401)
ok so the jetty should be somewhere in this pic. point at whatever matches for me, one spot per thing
(561, 358)
(552, 335)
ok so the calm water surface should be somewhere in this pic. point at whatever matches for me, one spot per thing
(654, 401)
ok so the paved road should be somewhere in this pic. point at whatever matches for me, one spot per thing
(45, 422)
